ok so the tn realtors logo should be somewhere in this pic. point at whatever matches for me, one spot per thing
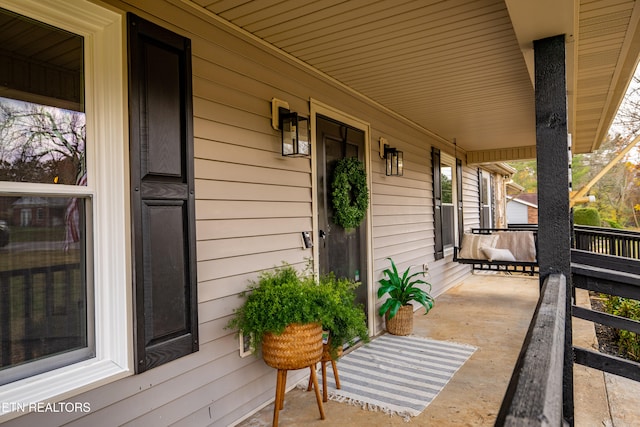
(56, 407)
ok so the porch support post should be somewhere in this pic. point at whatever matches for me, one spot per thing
(552, 146)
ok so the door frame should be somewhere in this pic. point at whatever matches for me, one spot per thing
(319, 108)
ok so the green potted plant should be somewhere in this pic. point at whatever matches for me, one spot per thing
(281, 303)
(284, 312)
(346, 321)
(282, 297)
(397, 308)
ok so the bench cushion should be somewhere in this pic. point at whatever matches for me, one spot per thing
(472, 245)
(521, 244)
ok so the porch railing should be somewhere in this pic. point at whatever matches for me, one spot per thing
(534, 395)
(602, 261)
(41, 312)
(609, 241)
(615, 276)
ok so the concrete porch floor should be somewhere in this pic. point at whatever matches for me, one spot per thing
(489, 311)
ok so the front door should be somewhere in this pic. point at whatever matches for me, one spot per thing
(343, 252)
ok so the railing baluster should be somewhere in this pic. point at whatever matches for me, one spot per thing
(67, 299)
(5, 325)
(49, 286)
(27, 283)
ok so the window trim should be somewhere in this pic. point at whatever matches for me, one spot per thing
(107, 172)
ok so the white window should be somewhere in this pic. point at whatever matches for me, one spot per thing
(63, 228)
(486, 197)
(449, 201)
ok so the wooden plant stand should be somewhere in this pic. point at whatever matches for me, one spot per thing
(281, 385)
(325, 388)
(298, 347)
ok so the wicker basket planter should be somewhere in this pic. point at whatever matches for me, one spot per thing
(299, 346)
(402, 322)
(403, 289)
(326, 354)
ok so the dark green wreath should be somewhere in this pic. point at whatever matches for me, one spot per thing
(350, 193)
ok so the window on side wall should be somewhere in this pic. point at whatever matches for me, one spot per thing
(447, 194)
(56, 147)
(486, 197)
(449, 208)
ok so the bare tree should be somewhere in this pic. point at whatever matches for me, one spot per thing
(40, 143)
(617, 192)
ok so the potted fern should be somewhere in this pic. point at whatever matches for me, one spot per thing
(282, 300)
(402, 289)
(283, 312)
(346, 321)
(345, 324)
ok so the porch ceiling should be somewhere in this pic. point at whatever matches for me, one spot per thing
(460, 68)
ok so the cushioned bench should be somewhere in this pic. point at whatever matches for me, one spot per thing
(499, 249)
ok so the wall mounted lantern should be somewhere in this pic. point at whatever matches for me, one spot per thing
(294, 128)
(393, 159)
(295, 134)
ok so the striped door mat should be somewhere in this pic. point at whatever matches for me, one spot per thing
(397, 375)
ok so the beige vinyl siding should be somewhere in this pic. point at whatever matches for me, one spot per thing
(251, 207)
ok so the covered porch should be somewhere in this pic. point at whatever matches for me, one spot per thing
(491, 312)
(451, 85)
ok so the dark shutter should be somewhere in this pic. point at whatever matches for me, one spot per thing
(162, 194)
(460, 198)
(437, 203)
